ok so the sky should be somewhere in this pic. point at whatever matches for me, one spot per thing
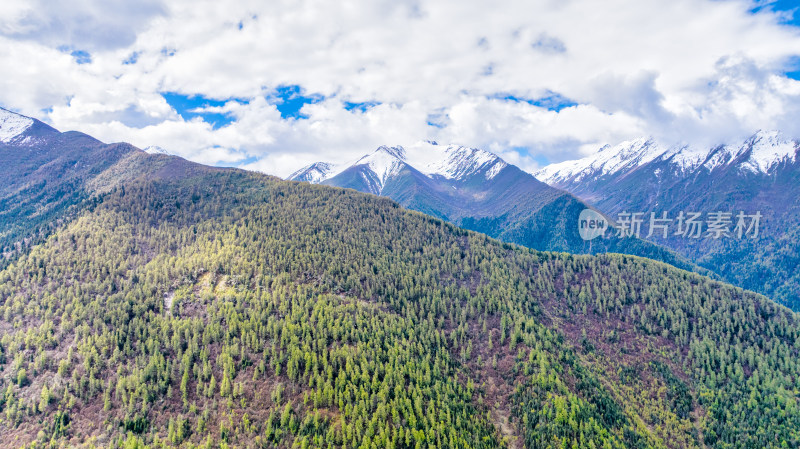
(275, 85)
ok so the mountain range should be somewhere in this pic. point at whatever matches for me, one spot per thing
(749, 184)
(172, 304)
(758, 176)
(477, 190)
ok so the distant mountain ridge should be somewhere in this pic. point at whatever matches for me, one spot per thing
(760, 174)
(477, 190)
(452, 162)
(760, 153)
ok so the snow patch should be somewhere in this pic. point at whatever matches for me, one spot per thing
(687, 157)
(496, 168)
(461, 162)
(155, 149)
(719, 157)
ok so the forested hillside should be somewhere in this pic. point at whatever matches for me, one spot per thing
(759, 175)
(44, 179)
(51, 177)
(475, 189)
(218, 308)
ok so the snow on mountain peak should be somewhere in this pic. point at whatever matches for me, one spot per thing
(757, 154)
(450, 162)
(768, 149)
(461, 162)
(686, 157)
(396, 152)
(155, 149)
(496, 168)
(609, 159)
(12, 125)
(385, 162)
(453, 161)
(314, 173)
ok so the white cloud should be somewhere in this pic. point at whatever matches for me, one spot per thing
(77, 24)
(687, 70)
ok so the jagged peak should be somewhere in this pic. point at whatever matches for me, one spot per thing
(609, 159)
(758, 153)
(313, 173)
(396, 151)
(385, 163)
(463, 161)
(768, 148)
(428, 157)
(453, 161)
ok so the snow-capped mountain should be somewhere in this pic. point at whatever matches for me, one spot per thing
(45, 174)
(314, 173)
(12, 125)
(760, 175)
(757, 154)
(379, 167)
(768, 150)
(459, 162)
(451, 162)
(476, 189)
(20, 131)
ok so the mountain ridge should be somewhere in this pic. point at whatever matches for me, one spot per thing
(760, 153)
(428, 157)
(478, 190)
(756, 176)
(194, 306)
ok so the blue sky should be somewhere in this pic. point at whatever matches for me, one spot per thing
(289, 100)
(187, 107)
(553, 101)
(274, 87)
(789, 7)
(791, 10)
(362, 106)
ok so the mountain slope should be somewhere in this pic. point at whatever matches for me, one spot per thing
(759, 175)
(44, 174)
(219, 307)
(477, 190)
(50, 177)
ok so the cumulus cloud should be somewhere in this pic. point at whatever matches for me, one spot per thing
(79, 24)
(448, 70)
